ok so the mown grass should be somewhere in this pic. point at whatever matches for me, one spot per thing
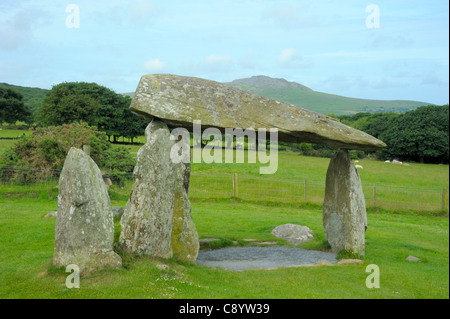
(28, 240)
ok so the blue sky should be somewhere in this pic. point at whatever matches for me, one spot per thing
(329, 46)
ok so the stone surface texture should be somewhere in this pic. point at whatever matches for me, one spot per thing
(294, 234)
(179, 100)
(157, 220)
(148, 216)
(185, 240)
(344, 208)
(84, 231)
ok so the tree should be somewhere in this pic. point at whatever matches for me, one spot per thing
(94, 104)
(419, 135)
(378, 123)
(12, 108)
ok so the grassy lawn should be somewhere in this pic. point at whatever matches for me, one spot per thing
(10, 133)
(28, 238)
(28, 241)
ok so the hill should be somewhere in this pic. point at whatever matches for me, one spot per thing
(32, 97)
(276, 88)
(298, 94)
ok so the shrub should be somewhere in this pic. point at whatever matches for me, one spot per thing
(47, 148)
(118, 159)
(120, 164)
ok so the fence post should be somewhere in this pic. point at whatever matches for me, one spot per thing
(235, 185)
(374, 194)
(444, 198)
(304, 193)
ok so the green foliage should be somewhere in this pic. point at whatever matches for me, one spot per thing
(119, 163)
(378, 123)
(32, 97)
(12, 108)
(47, 147)
(118, 159)
(94, 104)
(305, 147)
(419, 135)
(317, 150)
(356, 154)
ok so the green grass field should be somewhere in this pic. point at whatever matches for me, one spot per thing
(28, 240)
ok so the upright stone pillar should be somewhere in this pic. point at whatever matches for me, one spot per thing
(344, 207)
(148, 216)
(184, 234)
(84, 232)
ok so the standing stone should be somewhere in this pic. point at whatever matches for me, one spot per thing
(185, 241)
(148, 216)
(344, 207)
(84, 232)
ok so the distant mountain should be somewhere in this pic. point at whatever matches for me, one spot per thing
(298, 94)
(261, 83)
(32, 97)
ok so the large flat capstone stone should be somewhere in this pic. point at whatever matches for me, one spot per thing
(179, 100)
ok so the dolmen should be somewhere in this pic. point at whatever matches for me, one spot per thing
(157, 219)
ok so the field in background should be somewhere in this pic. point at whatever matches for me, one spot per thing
(260, 203)
(298, 179)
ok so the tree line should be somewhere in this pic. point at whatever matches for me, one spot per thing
(70, 102)
(420, 135)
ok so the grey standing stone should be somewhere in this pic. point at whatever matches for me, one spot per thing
(147, 220)
(185, 241)
(84, 232)
(344, 207)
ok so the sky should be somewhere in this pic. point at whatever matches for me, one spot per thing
(376, 49)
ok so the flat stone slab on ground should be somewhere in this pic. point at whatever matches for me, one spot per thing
(245, 258)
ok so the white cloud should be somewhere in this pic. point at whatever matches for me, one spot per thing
(287, 55)
(218, 63)
(17, 29)
(154, 65)
(391, 41)
(249, 60)
(290, 16)
(291, 58)
(143, 12)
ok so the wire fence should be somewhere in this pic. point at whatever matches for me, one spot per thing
(249, 187)
(204, 185)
